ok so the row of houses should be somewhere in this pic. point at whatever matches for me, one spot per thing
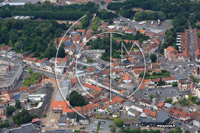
(173, 55)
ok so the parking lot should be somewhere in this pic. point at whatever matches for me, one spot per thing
(104, 127)
(148, 26)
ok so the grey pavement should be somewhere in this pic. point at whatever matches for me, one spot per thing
(148, 27)
(91, 127)
(48, 74)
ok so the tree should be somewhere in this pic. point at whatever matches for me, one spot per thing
(157, 131)
(138, 16)
(169, 100)
(10, 43)
(118, 122)
(174, 84)
(151, 96)
(190, 97)
(198, 34)
(153, 58)
(10, 110)
(30, 71)
(160, 83)
(23, 117)
(187, 131)
(112, 129)
(144, 131)
(178, 130)
(76, 99)
(102, 2)
(18, 104)
(61, 52)
(84, 67)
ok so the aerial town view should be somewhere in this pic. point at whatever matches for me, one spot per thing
(99, 66)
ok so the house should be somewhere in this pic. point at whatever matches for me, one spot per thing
(75, 119)
(131, 31)
(83, 120)
(76, 39)
(63, 121)
(81, 31)
(127, 63)
(172, 54)
(71, 119)
(116, 20)
(67, 45)
(196, 122)
(47, 65)
(169, 80)
(104, 25)
(37, 64)
(108, 1)
(25, 128)
(185, 117)
(145, 102)
(124, 26)
(128, 104)
(127, 78)
(194, 115)
(142, 31)
(3, 112)
(58, 106)
(28, 61)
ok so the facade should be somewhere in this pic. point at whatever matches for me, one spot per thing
(10, 79)
(173, 55)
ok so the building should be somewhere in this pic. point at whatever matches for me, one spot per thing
(162, 119)
(9, 80)
(173, 55)
(3, 112)
(25, 128)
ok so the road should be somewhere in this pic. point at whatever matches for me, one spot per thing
(10, 122)
(137, 93)
(48, 74)
(19, 84)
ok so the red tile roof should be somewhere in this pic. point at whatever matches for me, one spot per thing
(127, 77)
(67, 110)
(91, 69)
(146, 111)
(153, 114)
(92, 87)
(60, 104)
(24, 88)
(81, 30)
(184, 115)
(105, 100)
(160, 105)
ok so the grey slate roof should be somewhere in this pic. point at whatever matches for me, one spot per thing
(25, 128)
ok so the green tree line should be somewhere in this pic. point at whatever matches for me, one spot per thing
(33, 36)
(49, 11)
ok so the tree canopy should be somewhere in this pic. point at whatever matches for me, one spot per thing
(153, 58)
(18, 104)
(34, 36)
(76, 99)
(23, 117)
(10, 110)
(49, 11)
(118, 122)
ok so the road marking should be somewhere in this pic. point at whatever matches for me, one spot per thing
(176, 69)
